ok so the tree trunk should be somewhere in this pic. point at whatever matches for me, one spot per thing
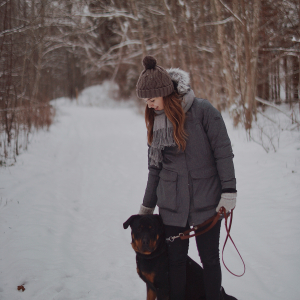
(140, 26)
(251, 54)
(179, 46)
(168, 32)
(189, 44)
(230, 84)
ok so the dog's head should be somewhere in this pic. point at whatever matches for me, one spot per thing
(146, 232)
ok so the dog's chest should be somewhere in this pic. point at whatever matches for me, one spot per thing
(154, 270)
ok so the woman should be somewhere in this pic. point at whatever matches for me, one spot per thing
(191, 172)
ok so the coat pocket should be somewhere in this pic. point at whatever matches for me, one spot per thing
(206, 188)
(167, 190)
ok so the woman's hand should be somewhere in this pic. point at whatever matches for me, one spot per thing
(228, 201)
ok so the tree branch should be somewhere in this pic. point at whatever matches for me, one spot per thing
(265, 102)
(231, 12)
(218, 22)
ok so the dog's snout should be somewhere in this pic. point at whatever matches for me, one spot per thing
(145, 242)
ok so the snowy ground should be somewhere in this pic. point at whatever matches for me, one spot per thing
(63, 203)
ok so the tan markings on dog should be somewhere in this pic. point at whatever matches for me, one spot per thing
(137, 246)
(149, 276)
(134, 246)
(152, 244)
(151, 295)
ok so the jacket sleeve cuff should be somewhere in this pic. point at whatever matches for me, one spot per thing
(229, 190)
(146, 210)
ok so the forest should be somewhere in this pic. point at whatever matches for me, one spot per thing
(242, 55)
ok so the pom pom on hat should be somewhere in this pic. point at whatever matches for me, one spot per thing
(154, 81)
(149, 62)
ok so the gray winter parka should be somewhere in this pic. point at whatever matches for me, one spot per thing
(187, 185)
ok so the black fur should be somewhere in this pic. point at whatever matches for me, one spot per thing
(152, 259)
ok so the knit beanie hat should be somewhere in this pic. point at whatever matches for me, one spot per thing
(154, 81)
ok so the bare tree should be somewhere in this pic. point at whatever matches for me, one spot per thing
(235, 51)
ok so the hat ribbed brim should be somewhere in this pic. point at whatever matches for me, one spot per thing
(157, 92)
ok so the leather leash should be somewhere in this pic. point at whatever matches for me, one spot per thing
(212, 221)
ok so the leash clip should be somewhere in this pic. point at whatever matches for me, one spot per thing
(173, 238)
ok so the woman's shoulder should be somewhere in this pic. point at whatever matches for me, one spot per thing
(204, 110)
(201, 104)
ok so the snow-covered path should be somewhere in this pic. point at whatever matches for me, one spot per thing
(63, 204)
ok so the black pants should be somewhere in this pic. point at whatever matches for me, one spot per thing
(208, 249)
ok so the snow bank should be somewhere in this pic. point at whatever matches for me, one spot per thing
(104, 96)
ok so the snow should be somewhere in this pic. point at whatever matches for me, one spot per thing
(63, 203)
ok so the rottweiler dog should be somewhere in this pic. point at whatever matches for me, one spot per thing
(149, 243)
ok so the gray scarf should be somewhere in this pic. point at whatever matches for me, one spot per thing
(163, 131)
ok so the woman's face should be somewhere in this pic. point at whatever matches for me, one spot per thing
(156, 103)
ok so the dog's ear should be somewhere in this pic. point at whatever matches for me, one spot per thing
(130, 220)
(159, 219)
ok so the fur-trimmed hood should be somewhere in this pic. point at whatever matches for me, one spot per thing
(181, 79)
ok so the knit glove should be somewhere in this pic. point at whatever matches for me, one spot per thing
(146, 210)
(228, 201)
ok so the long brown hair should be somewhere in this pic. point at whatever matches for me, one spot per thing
(175, 113)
